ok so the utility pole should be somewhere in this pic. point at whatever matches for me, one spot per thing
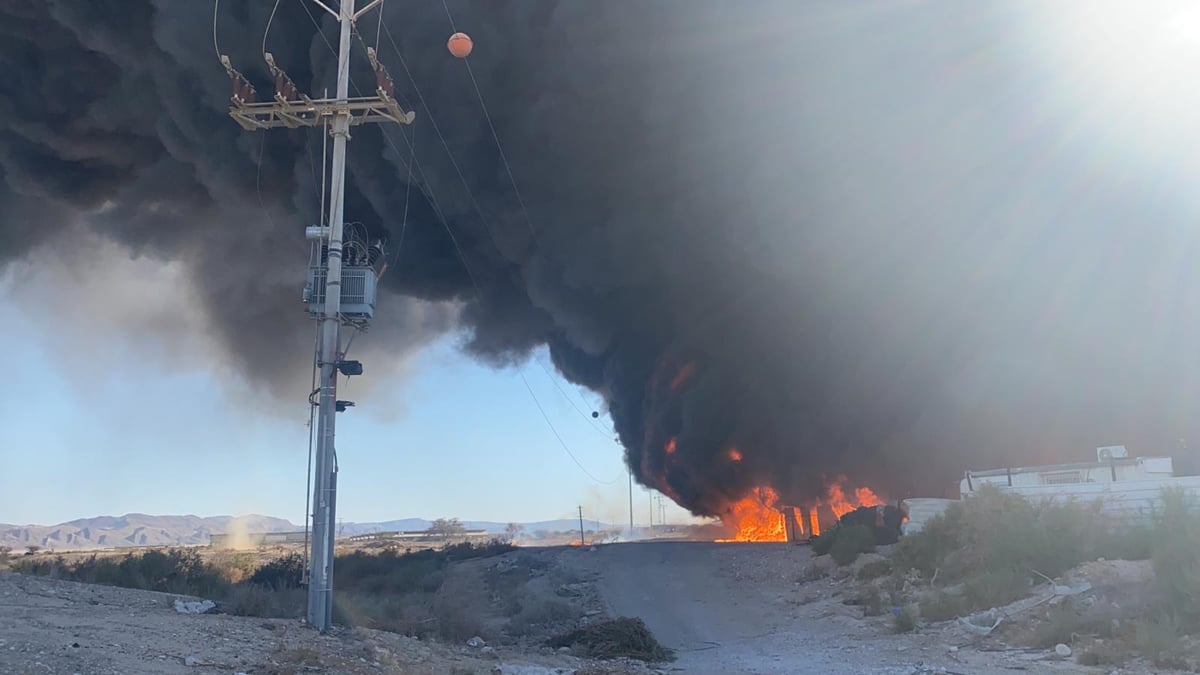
(651, 511)
(631, 503)
(328, 300)
(581, 541)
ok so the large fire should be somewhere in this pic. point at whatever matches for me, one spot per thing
(757, 516)
(841, 505)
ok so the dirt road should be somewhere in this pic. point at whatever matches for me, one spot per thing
(734, 608)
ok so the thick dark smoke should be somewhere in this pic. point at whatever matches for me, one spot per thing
(882, 240)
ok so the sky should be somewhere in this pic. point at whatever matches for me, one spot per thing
(123, 426)
(997, 257)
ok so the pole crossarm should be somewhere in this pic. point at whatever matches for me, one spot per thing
(291, 109)
(309, 112)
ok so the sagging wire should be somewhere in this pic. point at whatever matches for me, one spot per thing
(462, 258)
(312, 431)
(268, 29)
(495, 136)
(441, 216)
(258, 183)
(445, 145)
(217, 49)
(585, 416)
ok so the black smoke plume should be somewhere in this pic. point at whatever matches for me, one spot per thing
(876, 240)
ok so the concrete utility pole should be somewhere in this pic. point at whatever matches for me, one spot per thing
(581, 540)
(631, 503)
(651, 511)
(328, 300)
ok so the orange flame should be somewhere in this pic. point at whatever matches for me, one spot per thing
(866, 497)
(755, 518)
(669, 448)
(685, 373)
(735, 455)
(841, 505)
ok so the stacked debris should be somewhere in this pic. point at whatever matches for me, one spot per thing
(883, 520)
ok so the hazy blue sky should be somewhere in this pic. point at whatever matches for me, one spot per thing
(111, 432)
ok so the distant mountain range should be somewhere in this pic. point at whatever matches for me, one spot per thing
(139, 529)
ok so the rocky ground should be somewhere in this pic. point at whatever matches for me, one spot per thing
(724, 608)
(51, 626)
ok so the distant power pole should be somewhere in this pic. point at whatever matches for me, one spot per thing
(329, 301)
(631, 502)
(581, 542)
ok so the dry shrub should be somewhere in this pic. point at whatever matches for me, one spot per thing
(250, 600)
(874, 570)
(536, 612)
(870, 599)
(849, 542)
(1158, 640)
(616, 638)
(996, 545)
(905, 620)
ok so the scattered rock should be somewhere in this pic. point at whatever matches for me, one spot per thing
(476, 642)
(1062, 650)
(570, 590)
(190, 661)
(982, 623)
(195, 606)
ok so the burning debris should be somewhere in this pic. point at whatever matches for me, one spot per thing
(761, 516)
(884, 521)
(798, 330)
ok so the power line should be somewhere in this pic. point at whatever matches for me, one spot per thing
(495, 136)
(217, 49)
(267, 31)
(441, 215)
(479, 211)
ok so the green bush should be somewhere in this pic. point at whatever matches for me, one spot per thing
(1158, 640)
(180, 571)
(849, 542)
(943, 607)
(387, 591)
(1176, 559)
(993, 545)
(904, 621)
(280, 573)
(823, 542)
(874, 570)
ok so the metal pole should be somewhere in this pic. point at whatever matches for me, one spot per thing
(581, 541)
(320, 588)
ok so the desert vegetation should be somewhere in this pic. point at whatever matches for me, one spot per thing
(386, 590)
(1060, 573)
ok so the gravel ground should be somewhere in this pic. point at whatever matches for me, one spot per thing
(52, 626)
(742, 608)
(724, 608)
